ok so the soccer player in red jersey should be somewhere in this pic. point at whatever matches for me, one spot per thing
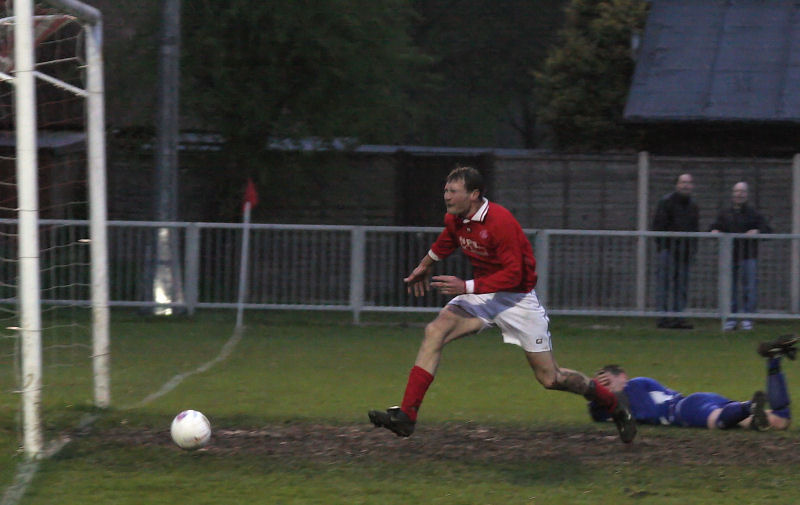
(500, 294)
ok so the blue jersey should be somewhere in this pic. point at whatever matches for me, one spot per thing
(653, 403)
(650, 402)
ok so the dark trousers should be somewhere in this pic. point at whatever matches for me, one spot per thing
(672, 282)
(745, 275)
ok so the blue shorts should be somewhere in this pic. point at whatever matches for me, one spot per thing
(695, 409)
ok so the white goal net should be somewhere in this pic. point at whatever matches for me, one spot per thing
(53, 280)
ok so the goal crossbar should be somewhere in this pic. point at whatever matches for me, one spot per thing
(55, 26)
(80, 10)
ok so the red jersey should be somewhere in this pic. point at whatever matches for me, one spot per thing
(500, 253)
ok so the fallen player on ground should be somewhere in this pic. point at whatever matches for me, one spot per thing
(651, 402)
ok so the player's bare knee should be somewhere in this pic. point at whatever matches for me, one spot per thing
(445, 327)
(434, 336)
(434, 331)
(547, 378)
(549, 384)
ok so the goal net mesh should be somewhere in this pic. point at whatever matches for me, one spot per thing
(64, 254)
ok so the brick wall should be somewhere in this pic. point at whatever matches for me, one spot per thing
(600, 192)
(403, 188)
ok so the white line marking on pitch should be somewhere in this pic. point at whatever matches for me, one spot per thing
(26, 470)
(174, 382)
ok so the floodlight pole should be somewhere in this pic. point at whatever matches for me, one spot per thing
(167, 123)
(167, 278)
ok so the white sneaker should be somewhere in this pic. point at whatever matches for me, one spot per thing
(730, 325)
(746, 325)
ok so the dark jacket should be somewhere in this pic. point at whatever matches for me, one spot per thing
(676, 212)
(732, 220)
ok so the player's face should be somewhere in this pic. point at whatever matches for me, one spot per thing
(685, 185)
(456, 198)
(615, 383)
(739, 193)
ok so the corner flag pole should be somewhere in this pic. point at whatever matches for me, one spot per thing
(250, 201)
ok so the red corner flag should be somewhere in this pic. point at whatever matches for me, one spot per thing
(250, 194)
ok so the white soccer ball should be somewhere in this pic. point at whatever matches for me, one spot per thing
(190, 429)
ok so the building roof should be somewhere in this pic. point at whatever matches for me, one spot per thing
(718, 60)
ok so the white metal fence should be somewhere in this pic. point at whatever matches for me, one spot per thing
(360, 268)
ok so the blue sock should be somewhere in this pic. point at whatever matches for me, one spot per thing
(777, 392)
(774, 365)
(732, 414)
(784, 413)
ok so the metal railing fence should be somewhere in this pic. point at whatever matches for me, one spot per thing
(360, 268)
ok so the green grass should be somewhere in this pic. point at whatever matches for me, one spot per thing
(167, 477)
(314, 367)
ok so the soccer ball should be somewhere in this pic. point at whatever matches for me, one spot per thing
(190, 429)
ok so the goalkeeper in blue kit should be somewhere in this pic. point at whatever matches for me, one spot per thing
(653, 403)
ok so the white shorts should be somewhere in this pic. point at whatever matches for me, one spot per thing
(520, 317)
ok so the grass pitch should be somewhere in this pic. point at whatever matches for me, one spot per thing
(288, 408)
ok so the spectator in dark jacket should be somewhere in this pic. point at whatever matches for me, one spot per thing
(742, 218)
(676, 212)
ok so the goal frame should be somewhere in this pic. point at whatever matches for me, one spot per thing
(29, 295)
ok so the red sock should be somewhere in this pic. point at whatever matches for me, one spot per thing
(418, 381)
(604, 396)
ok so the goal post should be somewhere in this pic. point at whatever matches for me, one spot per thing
(96, 166)
(29, 31)
(28, 212)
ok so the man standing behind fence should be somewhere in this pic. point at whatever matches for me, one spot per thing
(501, 294)
(676, 212)
(742, 218)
